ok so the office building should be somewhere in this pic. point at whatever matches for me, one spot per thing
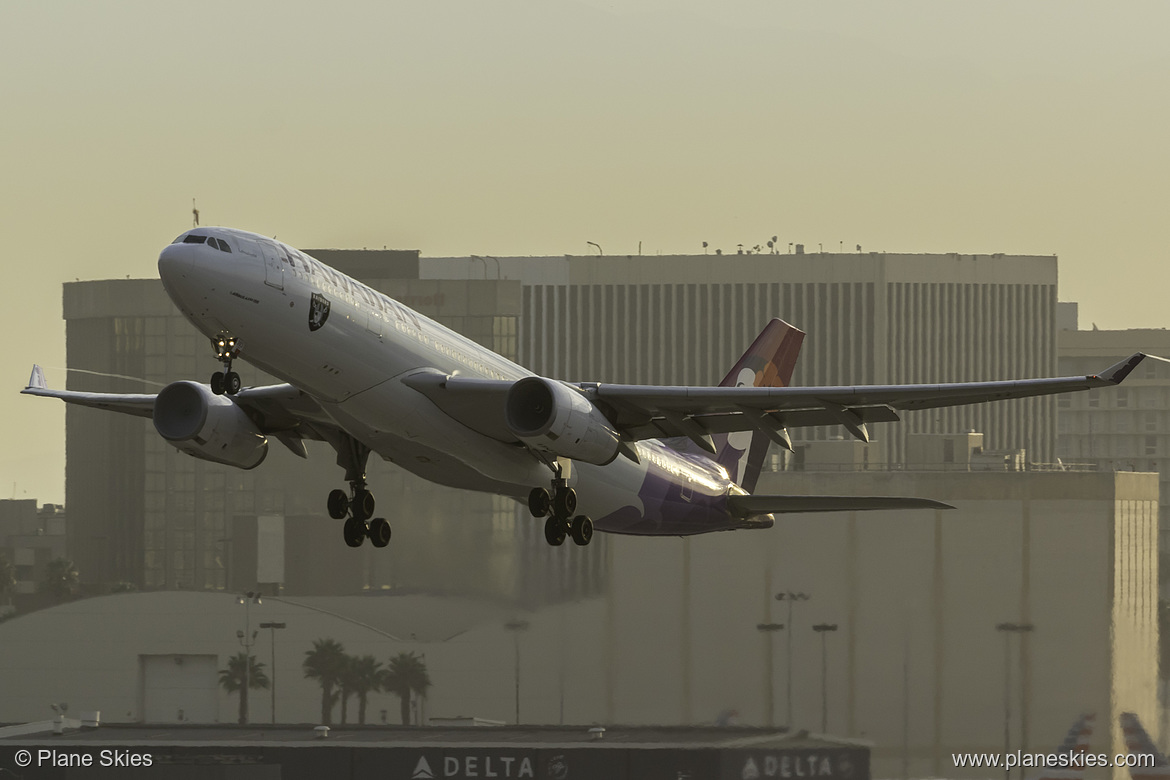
(871, 318)
(1124, 428)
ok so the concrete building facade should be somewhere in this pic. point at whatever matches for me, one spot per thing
(871, 318)
(30, 537)
(1124, 428)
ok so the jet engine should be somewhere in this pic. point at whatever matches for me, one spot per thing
(208, 426)
(558, 419)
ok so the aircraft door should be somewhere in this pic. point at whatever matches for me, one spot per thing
(273, 268)
(374, 322)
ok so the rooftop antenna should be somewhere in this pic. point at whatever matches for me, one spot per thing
(194, 214)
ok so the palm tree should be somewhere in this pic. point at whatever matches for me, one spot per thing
(61, 578)
(345, 687)
(325, 663)
(365, 675)
(232, 679)
(406, 674)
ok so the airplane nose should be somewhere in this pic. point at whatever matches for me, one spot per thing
(173, 260)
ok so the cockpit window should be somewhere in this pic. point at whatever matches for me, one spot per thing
(219, 244)
(194, 239)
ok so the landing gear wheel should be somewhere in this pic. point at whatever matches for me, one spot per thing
(581, 530)
(539, 502)
(564, 503)
(554, 531)
(338, 504)
(379, 532)
(362, 504)
(227, 348)
(355, 532)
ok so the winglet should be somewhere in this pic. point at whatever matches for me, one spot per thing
(37, 380)
(1116, 373)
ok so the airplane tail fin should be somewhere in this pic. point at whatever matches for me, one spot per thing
(1139, 743)
(768, 362)
(1076, 743)
(770, 359)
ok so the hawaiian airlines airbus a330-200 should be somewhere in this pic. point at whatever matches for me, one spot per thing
(366, 374)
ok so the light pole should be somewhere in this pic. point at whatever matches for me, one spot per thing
(823, 629)
(480, 259)
(768, 629)
(273, 626)
(790, 597)
(247, 638)
(516, 626)
(1008, 629)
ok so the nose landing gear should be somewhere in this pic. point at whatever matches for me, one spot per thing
(226, 349)
(559, 506)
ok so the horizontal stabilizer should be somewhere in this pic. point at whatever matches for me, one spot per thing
(750, 506)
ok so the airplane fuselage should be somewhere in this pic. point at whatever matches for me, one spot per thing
(350, 347)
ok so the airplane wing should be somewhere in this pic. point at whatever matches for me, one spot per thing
(650, 412)
(281, 410)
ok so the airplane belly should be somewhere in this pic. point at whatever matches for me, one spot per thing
(422, 438)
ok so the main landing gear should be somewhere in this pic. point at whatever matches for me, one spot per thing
(357, 507)
(226, 350)
(559, 506)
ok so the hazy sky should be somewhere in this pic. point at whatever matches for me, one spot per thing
(533, 126)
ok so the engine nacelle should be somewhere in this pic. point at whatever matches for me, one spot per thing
(208, 426)
(552, 417)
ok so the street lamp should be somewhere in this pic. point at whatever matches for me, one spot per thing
(516, 626)
(273, 627)
(1008, 629)
(823, 629)
(247, 639)
(484, 264)
(790, 597)
(768, 629)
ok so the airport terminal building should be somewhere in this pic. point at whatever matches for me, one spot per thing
(914, 664)
(632, 630)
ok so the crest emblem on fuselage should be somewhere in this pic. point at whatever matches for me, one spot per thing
(318, 311)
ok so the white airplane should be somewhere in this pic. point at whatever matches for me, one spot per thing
(366, 374)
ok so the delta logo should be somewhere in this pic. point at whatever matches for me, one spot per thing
(502, 767)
